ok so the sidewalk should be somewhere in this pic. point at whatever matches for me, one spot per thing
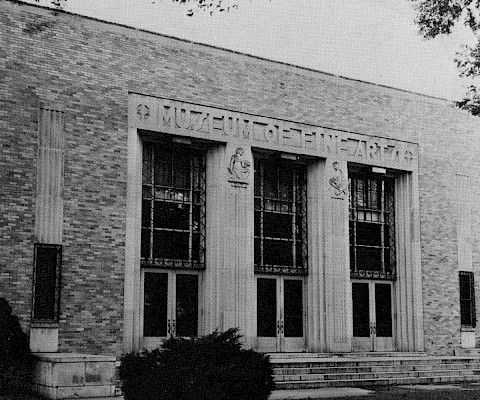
(461, 391)
(323, 393)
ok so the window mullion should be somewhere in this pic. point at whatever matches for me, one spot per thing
(152, 202)
(382, 222)
(262, 210)
(294, 219)
(190, 212)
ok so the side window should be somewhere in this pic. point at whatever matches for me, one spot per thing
(467, 300)
(46, 282)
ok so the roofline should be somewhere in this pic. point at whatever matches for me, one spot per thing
(55, 11)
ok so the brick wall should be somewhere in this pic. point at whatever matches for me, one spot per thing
(89, 66)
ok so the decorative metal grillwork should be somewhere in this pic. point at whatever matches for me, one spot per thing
(46, 282)
(372, 227)
(280, 218)
(173, 207)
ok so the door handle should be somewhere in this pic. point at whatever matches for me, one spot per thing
(278, 327)
(169, 328)
(174, 329)
(373, 328)
(281, 327)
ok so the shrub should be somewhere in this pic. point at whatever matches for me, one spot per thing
(215, 366)
(16, 360)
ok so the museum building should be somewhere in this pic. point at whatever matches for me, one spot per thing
(154, 187)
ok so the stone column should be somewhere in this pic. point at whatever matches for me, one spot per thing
(316, 264)
(216, 183)
(409, 311)
(238, 275)
(337, 269)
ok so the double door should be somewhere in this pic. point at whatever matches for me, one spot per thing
(280, 314)
(372, 306)
(170, 306)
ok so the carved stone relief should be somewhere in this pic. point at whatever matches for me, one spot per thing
(239, 168)
(338, 181)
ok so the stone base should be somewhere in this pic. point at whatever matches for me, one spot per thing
(63, 375)
(468, 339)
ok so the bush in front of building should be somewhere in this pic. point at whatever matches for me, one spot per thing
(214, 366)
(16, 360)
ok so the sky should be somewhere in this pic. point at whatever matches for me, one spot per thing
(369, 40)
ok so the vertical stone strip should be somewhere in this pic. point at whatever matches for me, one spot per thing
(316, 266)
(464, 222)
(50, 160)
(49, 206)
(337, 269)
(408, 286)
(132, 284)
(215, 234)
(238, 278)
(464, 241)
(338, 282)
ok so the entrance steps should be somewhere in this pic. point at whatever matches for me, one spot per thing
(317, 370)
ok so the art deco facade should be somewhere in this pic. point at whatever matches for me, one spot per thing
(153, 187)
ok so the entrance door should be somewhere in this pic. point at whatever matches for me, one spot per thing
(372, 316)
(170, 306)
(280, 309)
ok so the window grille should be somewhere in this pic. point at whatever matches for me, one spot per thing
(372, 227)
(173, 207)
(467, 300)
(46, 282)
(280, 218)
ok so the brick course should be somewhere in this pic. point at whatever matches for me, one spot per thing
(89, 67)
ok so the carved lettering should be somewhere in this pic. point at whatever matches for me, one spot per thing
(371, 150)
(229, 124)
(217, 124)
(395, 156)
(198, 124)
(330, 143)
(383, 146)
(343, 145)
(309, 139)
(182, 118)
(270, 133)
(245, 128)
(360, 150)
(167, 115)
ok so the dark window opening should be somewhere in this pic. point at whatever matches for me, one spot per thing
(280, 223)
(467, 300)
(173, 206)
(372, 227)
(46, 282)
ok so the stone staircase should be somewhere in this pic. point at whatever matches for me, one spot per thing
(316, 370)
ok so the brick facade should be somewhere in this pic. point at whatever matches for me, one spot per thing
(88, 67)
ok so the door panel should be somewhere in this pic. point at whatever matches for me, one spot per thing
(280, 309)
(383, 310)
(293, 308)
(170, 306)
(266, 307)
(155, 305)
(186, 308)
(361, 309)
(372, 316)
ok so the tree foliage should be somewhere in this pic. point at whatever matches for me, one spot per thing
(210, 6)
(438, 17)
